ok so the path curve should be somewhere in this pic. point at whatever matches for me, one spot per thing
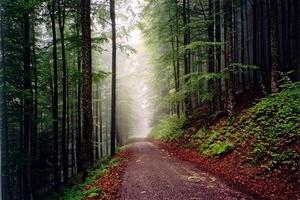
(153, 174)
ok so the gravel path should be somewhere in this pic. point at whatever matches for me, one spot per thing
(154, 174)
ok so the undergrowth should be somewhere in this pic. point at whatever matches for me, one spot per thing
(271, 128)
(273, 123)
(77, 190)
(169, 129)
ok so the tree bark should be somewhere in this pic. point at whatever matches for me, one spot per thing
(55, 98)
(28, 104)
(211, 51)
(228, 9)
(61, 22)
(87, 145)
(113, 89)
(274, 39)
(218, 54)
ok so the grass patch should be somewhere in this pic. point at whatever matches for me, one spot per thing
(77, 192)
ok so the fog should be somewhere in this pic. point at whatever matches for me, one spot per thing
(133, 71)
(134, 111)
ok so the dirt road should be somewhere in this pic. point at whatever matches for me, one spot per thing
(154, 174)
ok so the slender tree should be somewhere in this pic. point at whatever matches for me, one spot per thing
(274, 40)
(228, 9)
(113, 83)
(54, 96)
(61, 23)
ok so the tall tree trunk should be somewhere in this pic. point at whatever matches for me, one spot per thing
(211, 52)
(87, 145)
(243, 42)
(297, 37)
(255, 45)
(100, 124)
(274, 39)
(5, 184)
(177, 55)
(78, 131)
(61, 22)
(96, 123)
(218, 54)
(34, 136)
(113, 83)
(186, 56)
(28, 103)
(55, 98)
(228, 9)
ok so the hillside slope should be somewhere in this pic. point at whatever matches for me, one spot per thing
(258, 148)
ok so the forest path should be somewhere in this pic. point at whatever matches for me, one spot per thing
(153, 174)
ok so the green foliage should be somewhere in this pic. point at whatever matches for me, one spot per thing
(238, 67)
(77, 192)
(231, 119)
(273, 121)
(92, 192)
(213, 143)
(276, 115)
(169, 129)
(221, 148)
(258, 152)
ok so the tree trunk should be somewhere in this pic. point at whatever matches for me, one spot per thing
(186, 56)
(28, 104)
(6, 194)
(243, 43)
(274, 39)
(78, 131)
(255, 45)
(34, 136)
(211, 51)
(218, 55)
(87, 145)
(177, 57)
(228, 9)
(55, 99)
(61, 22)
(100, 124)
(113, 89)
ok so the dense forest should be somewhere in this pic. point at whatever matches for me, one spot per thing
(64, 107)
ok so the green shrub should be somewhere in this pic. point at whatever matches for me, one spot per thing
(258, 152)
(217, 148)
(169, 129)
(221, 148)
(92, 192)
(76, 192)
(276, 118)
(276, 115)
